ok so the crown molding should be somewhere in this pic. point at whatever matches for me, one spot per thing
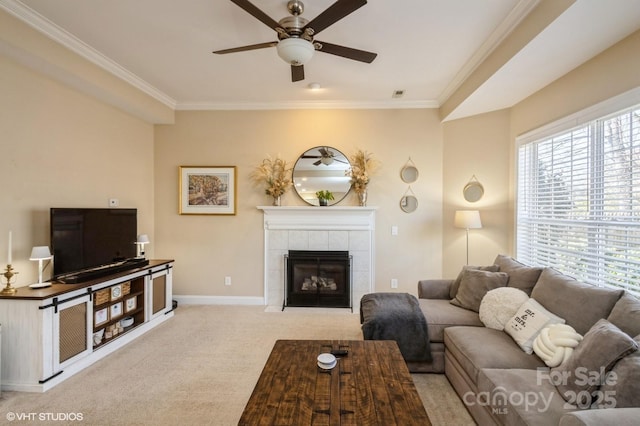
(515, 17)
(392, 104)
(54, 32)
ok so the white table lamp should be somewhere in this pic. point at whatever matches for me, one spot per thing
(40, 253)
(142, 240)
(467, 219)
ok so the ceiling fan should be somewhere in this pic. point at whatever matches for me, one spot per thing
(326, 157)
(296, 43)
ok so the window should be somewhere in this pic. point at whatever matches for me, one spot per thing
(578, 207)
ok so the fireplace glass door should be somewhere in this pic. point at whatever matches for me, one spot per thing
(318, 278)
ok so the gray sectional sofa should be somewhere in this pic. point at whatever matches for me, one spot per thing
(502, 384)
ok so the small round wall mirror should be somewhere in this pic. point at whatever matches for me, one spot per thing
(473, 190)
(409, 172)
(408, 203)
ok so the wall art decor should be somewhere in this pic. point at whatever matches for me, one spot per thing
(208, 190)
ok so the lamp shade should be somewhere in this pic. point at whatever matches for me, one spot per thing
(295, 51)
(467, 219)
(40, 253)
(143, 239)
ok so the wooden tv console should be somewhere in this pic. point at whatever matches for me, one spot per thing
(48, 333)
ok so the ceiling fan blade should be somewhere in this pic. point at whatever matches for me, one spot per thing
(317, 163)
(297, 73)
(257, 13)
(334, 13)
(243, 48)
(324, 152)
(347, 52)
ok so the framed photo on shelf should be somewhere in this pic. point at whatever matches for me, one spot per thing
(116, 292)
(101, 316)
(207, 190)
(130, 304)
(116, 310)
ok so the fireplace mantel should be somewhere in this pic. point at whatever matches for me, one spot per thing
(319, 218)
(318, 228)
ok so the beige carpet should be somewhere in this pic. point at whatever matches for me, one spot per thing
(199, 368)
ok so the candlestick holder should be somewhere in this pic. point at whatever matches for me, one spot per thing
(9, 273)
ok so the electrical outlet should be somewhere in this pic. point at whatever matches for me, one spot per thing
(114, 202)
(227, 280)
(394, 283)
(394, 230)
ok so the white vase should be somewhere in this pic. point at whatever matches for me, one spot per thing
(276, 200)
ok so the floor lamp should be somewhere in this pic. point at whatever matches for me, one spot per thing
(467, 219)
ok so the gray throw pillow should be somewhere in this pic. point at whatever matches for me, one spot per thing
(580, 304)
(475, 284)
(456, 284)
(602, 346)
(622, 383)
(626, 314)
(521, 276)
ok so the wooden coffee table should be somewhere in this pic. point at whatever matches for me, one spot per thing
(369, 386)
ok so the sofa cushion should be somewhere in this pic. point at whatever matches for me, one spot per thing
(453, 290)
(622, 383)
(581, 305)
(521, 397)
(602, 346)
(626, 314)
(499, 305)
(469, 346)
(527, 323)
(475, 284)
(520, 275)
(441, 314)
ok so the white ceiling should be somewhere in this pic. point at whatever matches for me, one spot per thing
(425, 47)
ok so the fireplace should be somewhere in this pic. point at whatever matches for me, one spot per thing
(347, 228)
(318, 279)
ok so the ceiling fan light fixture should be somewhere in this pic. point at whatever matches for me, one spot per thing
(326, 160)
(295, 51)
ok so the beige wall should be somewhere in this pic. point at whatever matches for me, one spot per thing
(613, 72)
(60, 148)
(208, 248)
(476, 146)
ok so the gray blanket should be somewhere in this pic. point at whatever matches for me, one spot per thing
(396, 316)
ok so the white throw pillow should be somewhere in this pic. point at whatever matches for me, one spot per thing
(499, 305)
(527, 323)
(554, 345)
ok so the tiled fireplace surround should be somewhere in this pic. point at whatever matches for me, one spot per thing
(318, 228)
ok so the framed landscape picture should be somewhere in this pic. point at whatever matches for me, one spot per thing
(207, 190)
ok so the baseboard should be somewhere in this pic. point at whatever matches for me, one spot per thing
(218, 300)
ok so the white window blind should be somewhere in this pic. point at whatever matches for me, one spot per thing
(578, 207)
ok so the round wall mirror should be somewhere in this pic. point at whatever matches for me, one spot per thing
(322, 168)
(473, 191)
(409, 172)
(408, 203)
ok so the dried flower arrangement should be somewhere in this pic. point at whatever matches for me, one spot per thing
(363, 165)
(275, 174)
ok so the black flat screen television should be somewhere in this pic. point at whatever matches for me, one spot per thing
(83, 239)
